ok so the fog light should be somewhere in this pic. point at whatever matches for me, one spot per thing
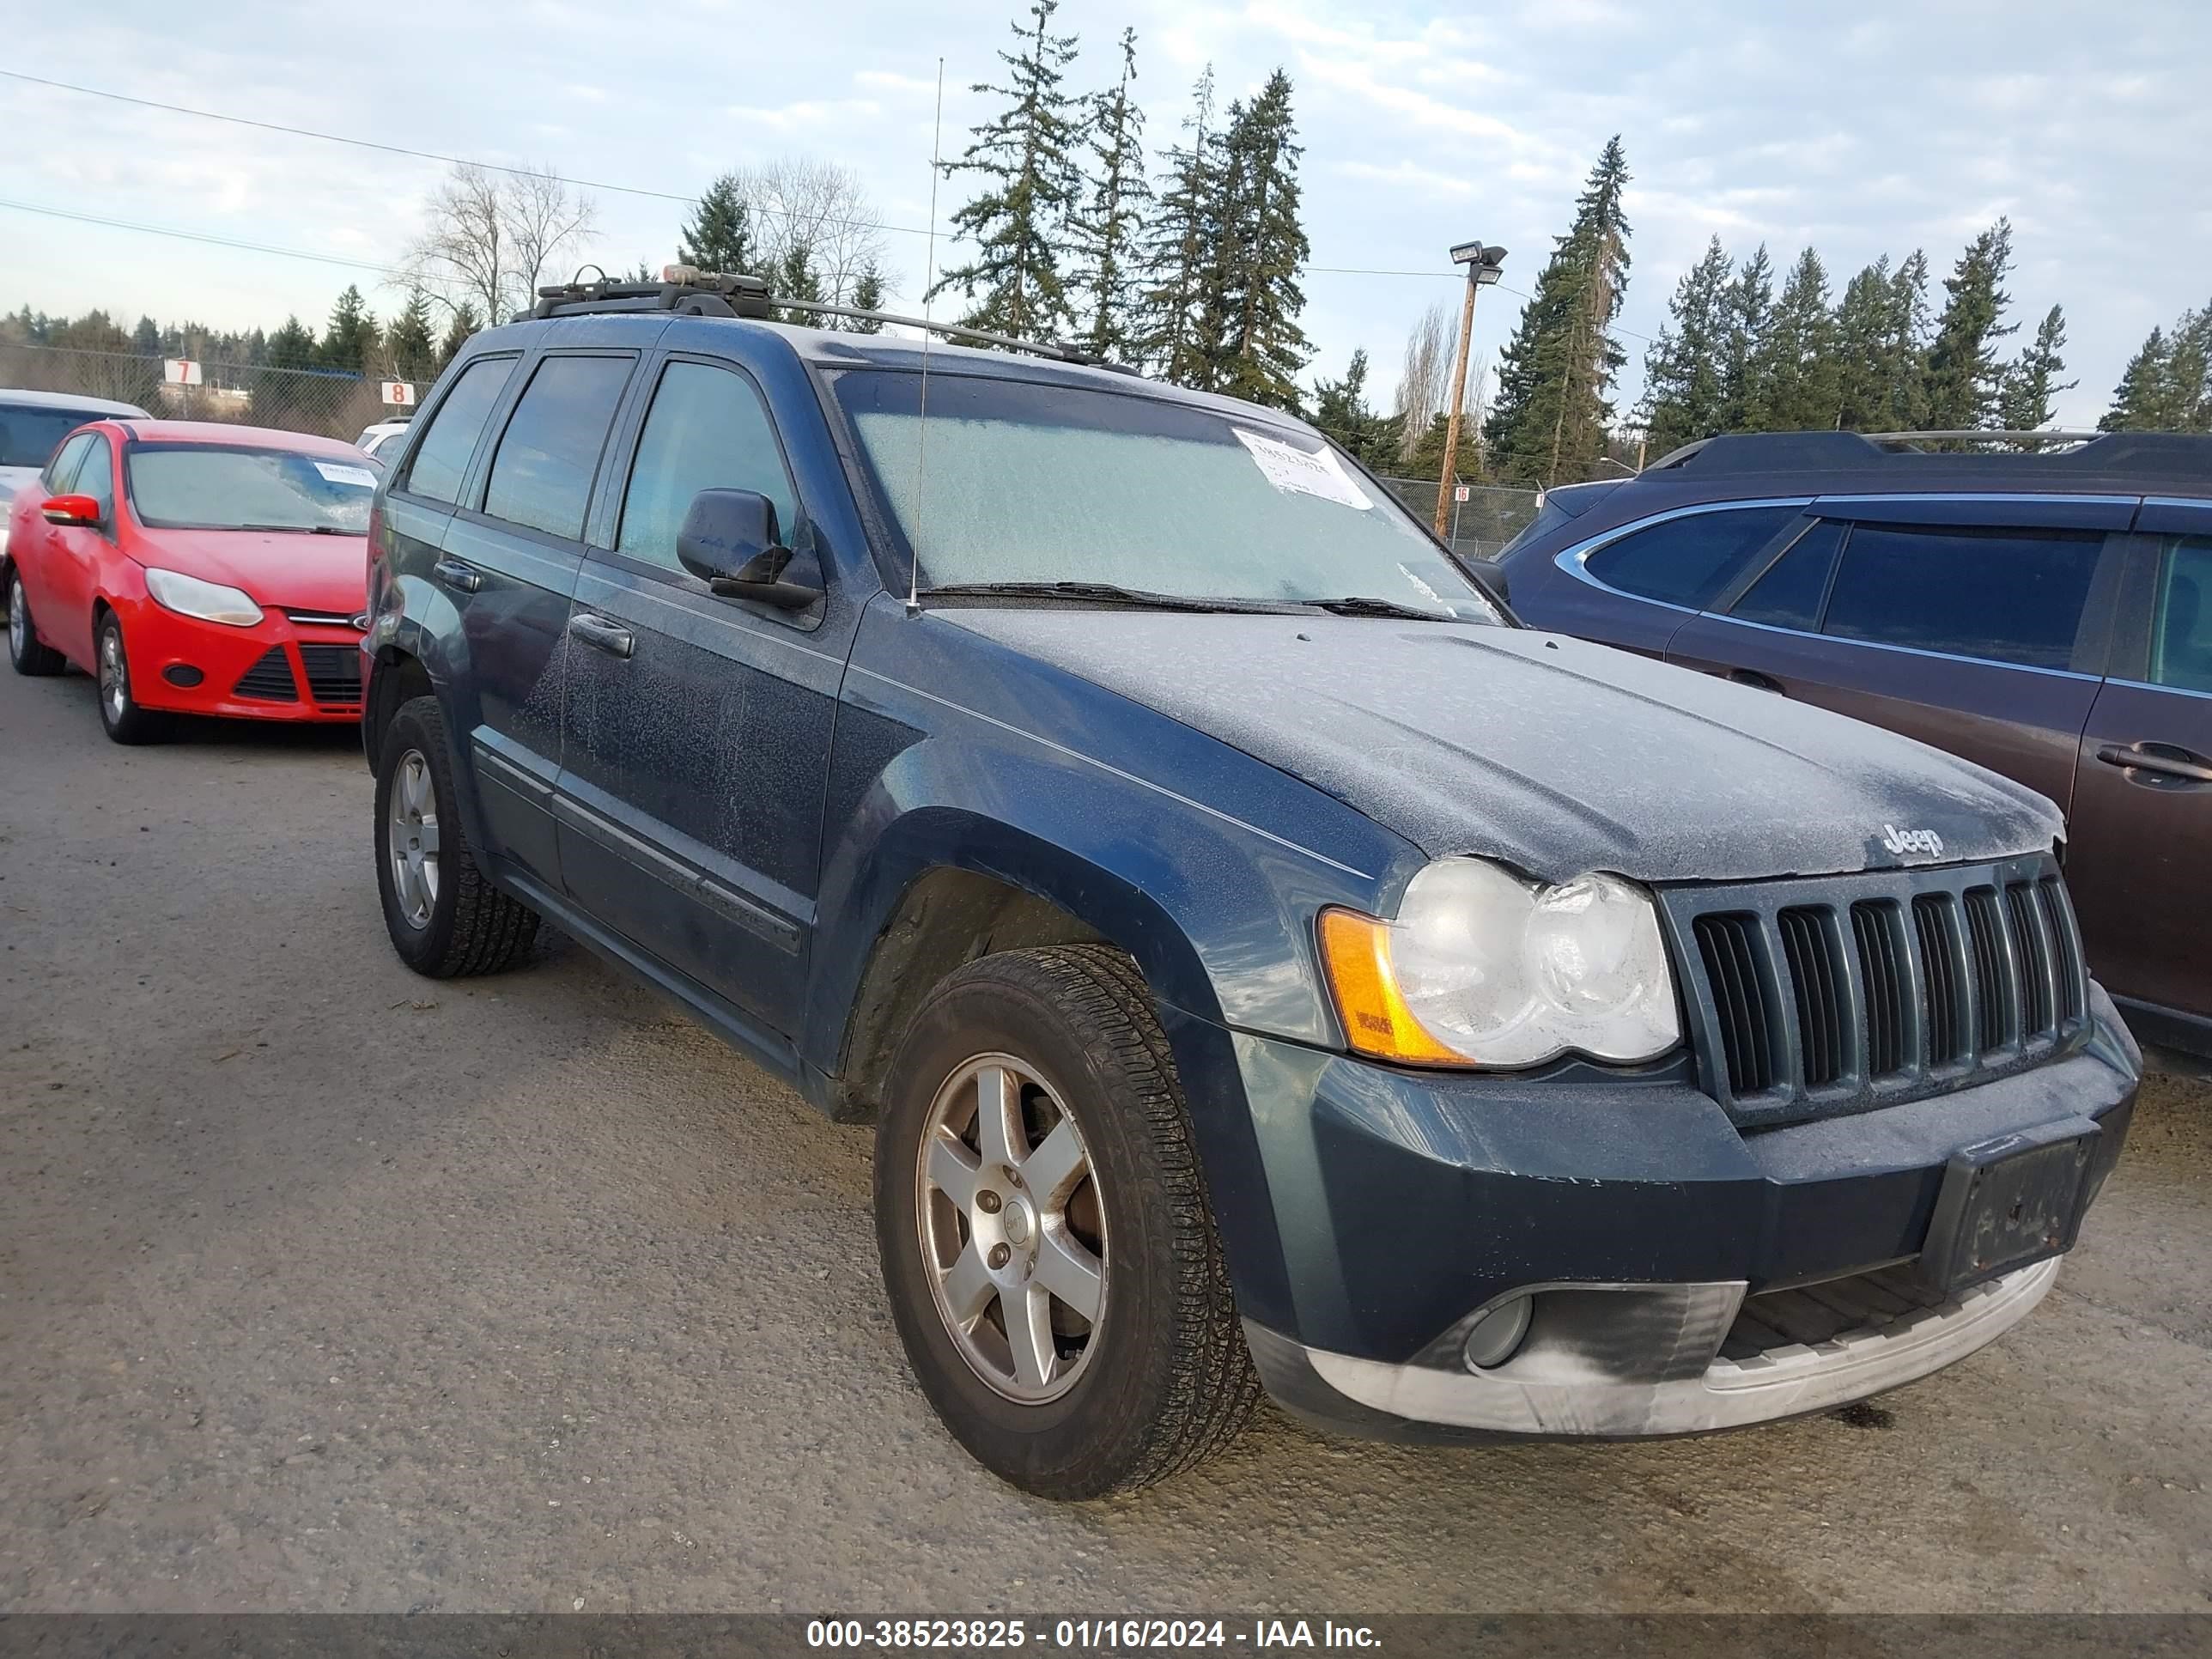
(182, 674)
(1496, 1335)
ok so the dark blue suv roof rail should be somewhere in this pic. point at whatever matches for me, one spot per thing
(2115, 454)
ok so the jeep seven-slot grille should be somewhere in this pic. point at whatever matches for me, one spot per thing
(270, 680)
(1811, 996)
(333, 672)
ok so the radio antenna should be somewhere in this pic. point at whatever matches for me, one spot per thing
(929, 285)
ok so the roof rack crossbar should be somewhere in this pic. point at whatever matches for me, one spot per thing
(688, 290)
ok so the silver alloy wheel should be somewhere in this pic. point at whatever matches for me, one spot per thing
(1013, 1232)
(19, 617)
(411, 838)
(114, 675)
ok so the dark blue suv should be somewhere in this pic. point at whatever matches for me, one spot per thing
(1265, 962)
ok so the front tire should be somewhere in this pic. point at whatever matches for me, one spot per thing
(120, 716)
(27, 651)
(445, 919)
(1052, 1263)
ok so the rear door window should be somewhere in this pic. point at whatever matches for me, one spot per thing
(2009, 596)
(442, 461)
(2181, 626)
(1792, 590)
(542, 476)
(1686, 560)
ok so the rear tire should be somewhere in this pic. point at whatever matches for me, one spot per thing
(120, 716)
(445, 920)
(27, 651)
(1158, 1377)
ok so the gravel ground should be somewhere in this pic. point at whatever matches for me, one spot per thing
(323, 1287)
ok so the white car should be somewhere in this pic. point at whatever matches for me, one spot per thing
(375, 441)
(32, 427)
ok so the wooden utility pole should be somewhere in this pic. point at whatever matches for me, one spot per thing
(1458, 395)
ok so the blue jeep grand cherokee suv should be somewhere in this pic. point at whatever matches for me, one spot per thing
(1265, 962)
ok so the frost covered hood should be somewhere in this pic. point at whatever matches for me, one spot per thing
(1559, 756)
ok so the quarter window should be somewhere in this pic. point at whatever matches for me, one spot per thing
(1790, 593)
(707, 430)
(2013, 596)
(542, 476)
(442, 460)
(1686, 560)
(2181, 627)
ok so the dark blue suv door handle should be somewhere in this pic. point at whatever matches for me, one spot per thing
(2163, 760)
(601, 635)
(466, 578)
(1753, 678)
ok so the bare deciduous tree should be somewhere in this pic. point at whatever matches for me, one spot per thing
(1425, 382)
(489, 239)
(820, 209)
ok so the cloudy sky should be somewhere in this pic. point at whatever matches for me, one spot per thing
(1864, 128)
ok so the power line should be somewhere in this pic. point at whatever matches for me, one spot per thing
(198, 236)
(520, 173)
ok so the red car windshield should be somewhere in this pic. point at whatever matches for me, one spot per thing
(209, 487)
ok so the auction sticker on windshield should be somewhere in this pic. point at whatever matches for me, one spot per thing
(1293, 470)
(343, 473)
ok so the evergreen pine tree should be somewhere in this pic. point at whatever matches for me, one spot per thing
(413, 346)
(1250, 297)
(867, 295)
(146, 338)
(1548, 423)
(1750, 307)
(2189, 373)
(2138, 400)
(1428, 460)
(1019, 223)
(795, 279)
(719, 235)
(1179, 237)
(1965, 377)
(466, 323)
(1862, 335)
(350, 340)
(2032, 381)
(1342, 413)
(292, 346)
(1106, 231)
(1795, 375)
(1682, 369)
(279, 395)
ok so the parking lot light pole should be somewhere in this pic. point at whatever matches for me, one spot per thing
(1483, 265)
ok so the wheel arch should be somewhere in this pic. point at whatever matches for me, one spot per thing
(398, 677)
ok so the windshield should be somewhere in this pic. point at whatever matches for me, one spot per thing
(1028, 482)
(30, 434)
(202, 486)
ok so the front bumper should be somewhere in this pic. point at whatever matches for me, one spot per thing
(1649, 1233)
(239, 679)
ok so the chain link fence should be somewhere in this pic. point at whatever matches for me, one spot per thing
(1491, 516)
(327, 401)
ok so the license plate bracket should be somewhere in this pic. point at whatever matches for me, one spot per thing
(2006, 1203)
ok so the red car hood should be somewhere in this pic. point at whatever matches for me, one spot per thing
(288, 571)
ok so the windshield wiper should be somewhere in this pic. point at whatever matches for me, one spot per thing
(1358, 605)
(1110, 592)
(302, 529)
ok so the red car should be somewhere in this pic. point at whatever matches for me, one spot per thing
(193, 569)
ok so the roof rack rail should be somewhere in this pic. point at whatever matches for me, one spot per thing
(688, 291)
(2163, 454)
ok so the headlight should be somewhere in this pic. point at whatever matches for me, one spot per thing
(188, 596)
(1482, 968)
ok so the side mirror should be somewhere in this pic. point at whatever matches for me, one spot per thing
(1491, 575)
(71, 509)
(729, 541)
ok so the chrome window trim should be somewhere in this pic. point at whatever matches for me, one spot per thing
(1571, 559)
(1912, 650)
(2199, 504)
(1970, 496)
(2152, 685)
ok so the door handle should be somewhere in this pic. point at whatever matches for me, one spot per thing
(466, 578)
(2163, 759)
(602, 634)
(1753, 678)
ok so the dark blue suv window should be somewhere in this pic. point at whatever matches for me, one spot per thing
(1686, 560)
(1794, 588)
(542, 476)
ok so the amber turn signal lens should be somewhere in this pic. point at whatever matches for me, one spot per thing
(1355, 952)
